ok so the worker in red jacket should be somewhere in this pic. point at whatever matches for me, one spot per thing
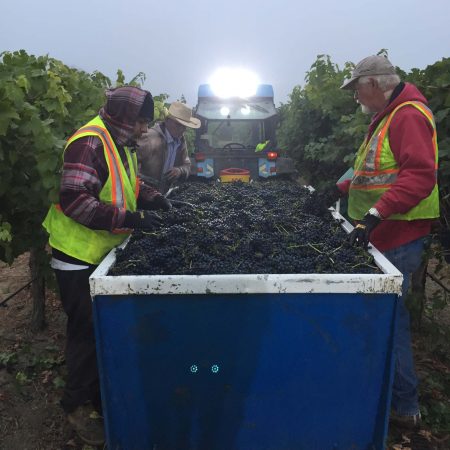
(393, 196)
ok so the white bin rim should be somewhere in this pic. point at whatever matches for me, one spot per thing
(389, 282)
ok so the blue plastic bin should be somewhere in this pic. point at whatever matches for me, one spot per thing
(245, 362)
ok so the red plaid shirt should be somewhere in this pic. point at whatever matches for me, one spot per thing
(84, 174)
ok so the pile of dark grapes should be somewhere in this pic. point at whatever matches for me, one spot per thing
(240, 228)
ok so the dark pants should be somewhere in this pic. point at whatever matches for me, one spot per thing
(82, 384)
(407, 258)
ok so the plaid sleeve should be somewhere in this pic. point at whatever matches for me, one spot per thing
(84, 174)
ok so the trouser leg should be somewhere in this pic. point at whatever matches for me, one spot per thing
(405, 386)
(82, 384)
(407, 259)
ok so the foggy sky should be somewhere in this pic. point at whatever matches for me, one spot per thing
(179, 44)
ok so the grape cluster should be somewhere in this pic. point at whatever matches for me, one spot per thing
(238, 228)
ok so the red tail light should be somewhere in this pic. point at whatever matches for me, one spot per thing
(272, 155)
(200, 156)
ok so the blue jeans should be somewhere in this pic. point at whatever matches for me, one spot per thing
(407, 258)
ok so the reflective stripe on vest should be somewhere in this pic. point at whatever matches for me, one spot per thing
(118, 197)
(120, 190)
(376, 170)
(368, 174)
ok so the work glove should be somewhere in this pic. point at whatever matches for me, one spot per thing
(173, 174)
(318, 202)
(331, 196)
(360, 235)
(160, 202)
(142, 220)
(156, 202)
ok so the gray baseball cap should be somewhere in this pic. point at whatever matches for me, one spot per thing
(372, 65)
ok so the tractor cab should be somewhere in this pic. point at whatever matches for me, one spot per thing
(237, 136)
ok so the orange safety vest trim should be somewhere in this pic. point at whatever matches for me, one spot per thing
(369, 176)
(376, 170)
(117, 194)
(120, 190)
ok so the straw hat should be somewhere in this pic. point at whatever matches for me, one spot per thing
(183, 114)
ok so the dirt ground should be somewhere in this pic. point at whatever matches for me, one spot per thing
(32, 372)
(31, 369)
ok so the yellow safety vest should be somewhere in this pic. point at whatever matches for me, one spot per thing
(376, 169)
(121, 191)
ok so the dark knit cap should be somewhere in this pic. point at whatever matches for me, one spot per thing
(148, 108)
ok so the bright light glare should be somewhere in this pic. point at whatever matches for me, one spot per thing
(227, 83)
(224, 111)
(245, 110)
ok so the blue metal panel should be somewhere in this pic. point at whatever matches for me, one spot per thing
(264, 166)
(208, 168)
(264, 90)
(245, 372)
(204, 90)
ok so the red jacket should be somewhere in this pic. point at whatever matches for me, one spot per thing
(410, 135)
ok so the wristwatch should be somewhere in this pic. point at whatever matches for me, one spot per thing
(374, 212)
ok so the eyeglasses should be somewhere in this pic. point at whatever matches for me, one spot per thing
(356, 89)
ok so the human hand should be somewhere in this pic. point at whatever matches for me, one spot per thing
(161, 202)
(319, 202)
(142, 220)
(360, 235)
(330, 196)
(173, 174)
